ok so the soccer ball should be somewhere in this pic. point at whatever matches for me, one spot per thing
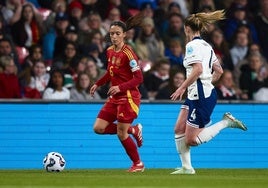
(54, 162)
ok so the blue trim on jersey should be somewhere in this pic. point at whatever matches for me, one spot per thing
(197, 38)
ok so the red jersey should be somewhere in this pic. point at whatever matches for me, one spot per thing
(123, 70)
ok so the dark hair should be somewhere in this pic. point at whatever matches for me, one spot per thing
(133, 21)
(50, 82)
(33, 47)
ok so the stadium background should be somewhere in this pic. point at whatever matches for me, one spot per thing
(29, 130)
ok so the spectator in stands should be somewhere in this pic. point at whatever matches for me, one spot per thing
(177, 77)
(12, 11)
(130, 39)
(253, 48)
(9, 82)
(40, 77)
(30, 27)
(55, 89)
(226, 88)
(240, 48)
(174, 29)
(88, 24)
(254, 76)
(70, 35)
(82, 64)
(172, 9)
(113, 15)
(104, 6)
(82, 88)
(97, 38)
(175, 54)
(149, 45)
(147, 9)
(75, 10)
(92, 51)
(161, 13)
(55, 24)
(262, 26)
(68, 62)
(79, 68)
(58, 7)
(249, 7)
(156, 78)
(205, 5)
(221, 48)
(239, 18)
(95, 74)
(35, 55)
(88, 6)
(7, 48)
(61, 24)
(35, 80)
(5, 33)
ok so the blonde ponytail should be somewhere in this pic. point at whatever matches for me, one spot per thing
(201, 21)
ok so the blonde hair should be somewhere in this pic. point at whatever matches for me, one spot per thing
(201, 21)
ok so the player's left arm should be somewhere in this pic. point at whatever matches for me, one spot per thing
(217, 71)
(137, 78)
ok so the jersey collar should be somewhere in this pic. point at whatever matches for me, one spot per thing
(197, 37)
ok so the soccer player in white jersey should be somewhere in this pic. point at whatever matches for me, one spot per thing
(202, 70)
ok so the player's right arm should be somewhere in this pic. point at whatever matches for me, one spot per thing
(103, 80)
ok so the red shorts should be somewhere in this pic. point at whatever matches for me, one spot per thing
(123, 110)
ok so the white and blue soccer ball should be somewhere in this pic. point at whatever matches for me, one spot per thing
(54, 162)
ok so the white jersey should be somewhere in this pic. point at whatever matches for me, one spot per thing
(199, 51)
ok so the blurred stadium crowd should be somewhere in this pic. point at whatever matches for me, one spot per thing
(55, 49)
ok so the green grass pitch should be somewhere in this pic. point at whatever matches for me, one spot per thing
(119, 178)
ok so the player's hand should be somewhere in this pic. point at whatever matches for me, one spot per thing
(113, 90)
(93, 89)
(177, 94)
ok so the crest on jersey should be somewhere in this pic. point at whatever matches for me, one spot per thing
(113, 60)
(189, 50)
(118, 62)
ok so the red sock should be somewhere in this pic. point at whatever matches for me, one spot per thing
(131, 150)
(111, 129)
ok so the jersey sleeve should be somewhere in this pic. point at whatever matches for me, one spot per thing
(137, 78)
(104, 79)
(193, 54)
(214, 58)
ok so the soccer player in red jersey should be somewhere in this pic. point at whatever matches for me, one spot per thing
(125, 75)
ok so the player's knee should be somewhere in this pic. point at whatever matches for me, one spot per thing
(98, 130)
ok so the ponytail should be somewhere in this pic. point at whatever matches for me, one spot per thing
(201, 21)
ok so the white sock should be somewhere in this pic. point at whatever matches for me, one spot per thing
(208, 133)
(183, 150)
